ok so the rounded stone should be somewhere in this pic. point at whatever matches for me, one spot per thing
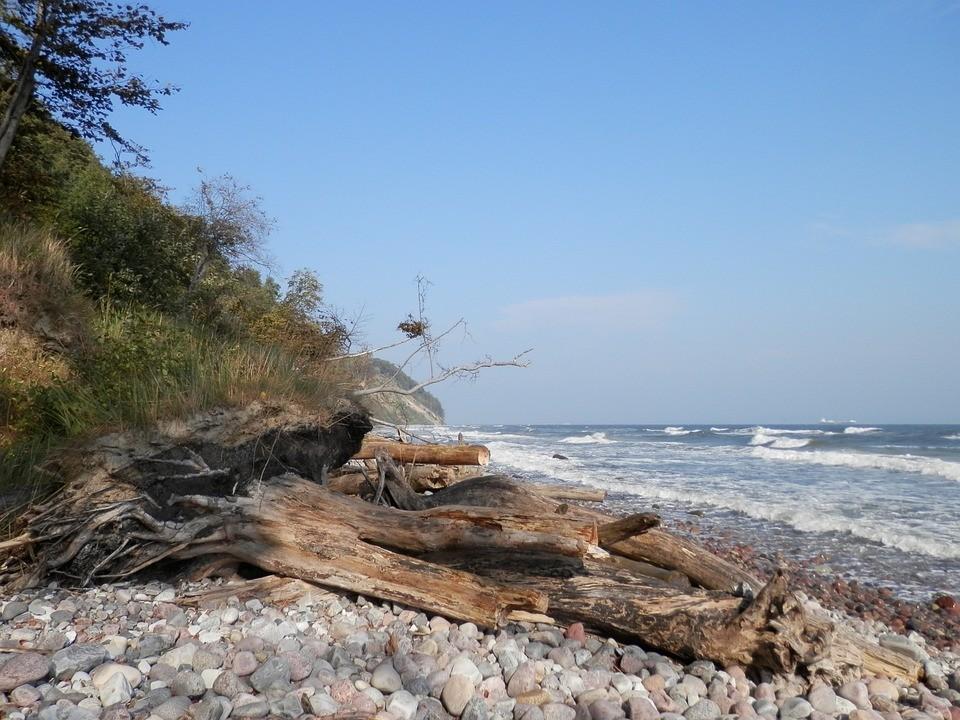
(115, 690)
(605, 710)
(245, 663)
(23, 670)
(702, 710)
(559, 711)
(457, 691)
(795, 708)
(322, 704)
(102, 674)
(464, 666)
(857, 693)
(475, 709)
(385, 678)
(823, 699)
(524, 679)
(77, 658)
(24, 696)
(188, 684)
(229, 685)
(402, 704)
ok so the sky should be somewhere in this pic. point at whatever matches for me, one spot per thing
(691, 212)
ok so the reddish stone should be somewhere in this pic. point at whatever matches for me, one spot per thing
(945, 602)
(576, 632)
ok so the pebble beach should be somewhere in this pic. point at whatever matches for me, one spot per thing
(140, 651)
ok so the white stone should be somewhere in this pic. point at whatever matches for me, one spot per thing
(210, 676)
(182, 655)
(103, 674)
(144, 667)
(402, 704)
(464, 666)
(209, 636)
(116, 690)
(116, 646)
(168, 595)
(844, 706)
(230, 616)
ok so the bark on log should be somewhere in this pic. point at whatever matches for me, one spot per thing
(355, 483)
(656, 547)
(426, 454)
(567, 492)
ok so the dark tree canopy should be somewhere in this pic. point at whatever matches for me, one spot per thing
(71, 55)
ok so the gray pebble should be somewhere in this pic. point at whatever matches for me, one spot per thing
(189, 684)
(795, 708)
(702, 710)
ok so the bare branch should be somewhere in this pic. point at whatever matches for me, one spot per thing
(459, 371)
(370, 351)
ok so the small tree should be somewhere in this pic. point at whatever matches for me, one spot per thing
(72, 55)
(226, 222)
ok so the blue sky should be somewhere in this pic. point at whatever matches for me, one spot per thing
(716, 212)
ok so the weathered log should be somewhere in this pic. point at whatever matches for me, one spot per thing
(656, 547)
(423, 478)
(772, 631)
(569, 492)
(426, 454)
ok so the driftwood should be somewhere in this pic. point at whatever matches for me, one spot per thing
(426, 454)
(656, 547)
(486, 550)
(422, 478)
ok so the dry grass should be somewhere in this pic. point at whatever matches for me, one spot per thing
(36, 276)
(69, 372)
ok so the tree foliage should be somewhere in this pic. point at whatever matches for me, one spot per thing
(71, 55)
(227, 222)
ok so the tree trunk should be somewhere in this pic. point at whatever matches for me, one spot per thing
(657, 547)
(22, 91)
(426, 454)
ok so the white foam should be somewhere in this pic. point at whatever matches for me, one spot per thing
(530, 460)
(678, 431)
(718, 429)
(955, 436)
(786, 431)
(807, 518)
(597, 438)
(784, 443)
(896, 463)
(856, 430)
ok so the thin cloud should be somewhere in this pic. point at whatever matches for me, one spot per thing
(633, 310)
(921, 235)
(927, 235)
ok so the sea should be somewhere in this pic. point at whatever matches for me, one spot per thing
(876, 503)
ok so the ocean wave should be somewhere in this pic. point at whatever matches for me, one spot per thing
(857, 430)
(955, 436)
(718, 429)
(815, 519)
(788, 431)
(783, 443)
(597, 438)
(678, 430)
(526, 460)
(896, 463)
(452, 433)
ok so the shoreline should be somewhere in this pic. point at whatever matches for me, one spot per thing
(150, 651)
(937, 619)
